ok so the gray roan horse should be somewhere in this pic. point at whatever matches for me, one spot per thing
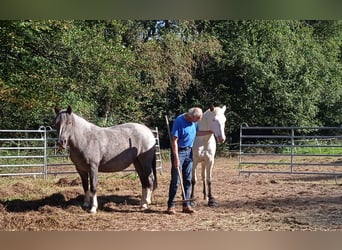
(94, 149)
(204, 149)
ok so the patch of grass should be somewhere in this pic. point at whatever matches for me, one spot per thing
(314, 150)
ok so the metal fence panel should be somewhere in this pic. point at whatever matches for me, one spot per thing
(290, 150)
(35, 152)
(22, 152)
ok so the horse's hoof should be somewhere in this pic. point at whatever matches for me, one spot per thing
(143, 207)
(212, 203)
(92, 210)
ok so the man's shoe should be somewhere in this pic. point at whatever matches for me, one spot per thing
(188, 210)
(171, 210)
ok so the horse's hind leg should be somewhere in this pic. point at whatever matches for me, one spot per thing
(145, 177)
(93, 185)
(193, 182)
(146, 197)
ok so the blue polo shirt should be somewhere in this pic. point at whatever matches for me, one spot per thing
(185, 131)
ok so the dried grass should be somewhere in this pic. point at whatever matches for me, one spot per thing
(257, 203)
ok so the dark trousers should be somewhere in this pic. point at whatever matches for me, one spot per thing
(185, 158)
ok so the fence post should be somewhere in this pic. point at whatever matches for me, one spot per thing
(292, 147)
(241, 134)
(44, 151)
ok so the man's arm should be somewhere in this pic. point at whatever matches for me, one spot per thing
(174, 146)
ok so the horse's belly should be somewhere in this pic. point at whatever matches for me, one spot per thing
(113, 167)
(117, 163)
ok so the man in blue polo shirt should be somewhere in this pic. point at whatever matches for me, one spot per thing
(183, 133)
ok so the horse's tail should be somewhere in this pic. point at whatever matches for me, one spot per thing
(154, 169)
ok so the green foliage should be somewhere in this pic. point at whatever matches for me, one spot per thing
(276, 73)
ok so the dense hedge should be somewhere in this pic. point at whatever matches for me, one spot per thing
(266, 72)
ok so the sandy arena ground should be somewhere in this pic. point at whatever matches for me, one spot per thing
(259, 202)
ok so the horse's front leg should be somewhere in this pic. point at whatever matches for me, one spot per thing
(93, 185)
(85, 184)
(211, 199)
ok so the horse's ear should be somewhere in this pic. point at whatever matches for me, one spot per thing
(57, 110)
(212, 108)
(224, 108)
(69, 110)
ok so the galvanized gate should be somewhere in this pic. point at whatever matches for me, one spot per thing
(290, 150)
(35, 153)
(32, 152)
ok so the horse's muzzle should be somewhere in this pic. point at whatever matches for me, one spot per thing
(62, 144)
(220, 139)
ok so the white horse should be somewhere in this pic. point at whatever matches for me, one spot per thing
(204, 149)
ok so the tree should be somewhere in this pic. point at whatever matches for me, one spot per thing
(329, 35)
(28, 61)
(272, 70)
(276, 73)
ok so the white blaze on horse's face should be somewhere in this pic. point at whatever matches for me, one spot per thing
(63, 124)
(218, 124)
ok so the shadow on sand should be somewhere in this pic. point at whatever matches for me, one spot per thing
(58, 200)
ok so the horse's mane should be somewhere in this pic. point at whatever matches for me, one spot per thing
(216, 110)
(85, 123)
(206, 113)
(203, 121)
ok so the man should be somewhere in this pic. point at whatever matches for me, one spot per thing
(183, 133)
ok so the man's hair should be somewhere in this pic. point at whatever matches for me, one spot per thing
(195, 112)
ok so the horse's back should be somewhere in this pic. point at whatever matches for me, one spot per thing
(137, 133)
(114, 148)
(124, 144)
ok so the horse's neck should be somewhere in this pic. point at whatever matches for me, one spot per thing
(81, 127)
(203, 124)
(82, 123)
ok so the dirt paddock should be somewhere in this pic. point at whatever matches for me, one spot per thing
(256, 203)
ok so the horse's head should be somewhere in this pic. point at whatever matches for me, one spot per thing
(216, 122)
(64, 125)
